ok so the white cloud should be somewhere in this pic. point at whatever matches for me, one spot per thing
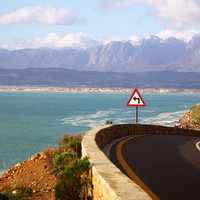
(181, 13)
(107, 40)
(84, 41)
(182, 35)
(40, 14)
(177, 13)
(136, 40)
(52, 40)
(121, 4)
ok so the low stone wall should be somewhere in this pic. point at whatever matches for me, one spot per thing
(108, 181)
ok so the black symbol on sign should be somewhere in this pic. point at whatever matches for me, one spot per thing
(137, 99)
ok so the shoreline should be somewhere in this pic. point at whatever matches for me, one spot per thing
(31, 89)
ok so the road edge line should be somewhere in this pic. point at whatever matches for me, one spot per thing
(198, 146)
(128, 169)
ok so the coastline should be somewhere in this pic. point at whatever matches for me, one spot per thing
(32, 89)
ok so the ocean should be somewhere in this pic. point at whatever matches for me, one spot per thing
(31, 122)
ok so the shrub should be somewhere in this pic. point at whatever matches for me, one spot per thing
(62, 159)
(75, 145)
(74, 182)
(73, 173)
(16, 192)
(71, 142)
(109, 122)
(64, 141)
(3, 197)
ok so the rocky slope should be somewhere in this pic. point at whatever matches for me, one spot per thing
(192, 118)
(35, 173)
(56, 173)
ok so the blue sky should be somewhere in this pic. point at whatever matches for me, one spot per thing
(84, 23)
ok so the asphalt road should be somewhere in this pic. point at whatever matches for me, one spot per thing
(168, 166)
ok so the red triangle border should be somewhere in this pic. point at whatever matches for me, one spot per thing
(136, 91)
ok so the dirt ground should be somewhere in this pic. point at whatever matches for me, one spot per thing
(34, 173)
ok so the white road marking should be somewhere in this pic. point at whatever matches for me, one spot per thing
(198, 145)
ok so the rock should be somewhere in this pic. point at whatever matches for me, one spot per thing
(14, 192)
(33, 183)
(18, 165)
(34, 173)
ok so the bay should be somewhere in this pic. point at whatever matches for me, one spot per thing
(31, 122)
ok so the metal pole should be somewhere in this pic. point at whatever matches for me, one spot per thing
(136, 116)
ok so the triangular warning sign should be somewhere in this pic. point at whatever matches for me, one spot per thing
(136, 99)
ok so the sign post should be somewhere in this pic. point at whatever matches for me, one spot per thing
(136, 101)
(136, 115)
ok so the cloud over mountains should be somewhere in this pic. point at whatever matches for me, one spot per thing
(176, 13)
(82, 40)
(52, 40)
(40, 14)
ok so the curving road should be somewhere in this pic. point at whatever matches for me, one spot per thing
(167, 167)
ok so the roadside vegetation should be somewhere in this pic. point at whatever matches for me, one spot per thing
(17, 192)
(109, 122)
(72, 171)
(69, 174)
(195, 112)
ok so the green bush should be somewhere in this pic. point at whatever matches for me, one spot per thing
(71, 142)
(67, 138)
(16, 193)
(3, 197)
(109, 122)
(75, 145)
(73, 173)
(62, 159)
(74, 182)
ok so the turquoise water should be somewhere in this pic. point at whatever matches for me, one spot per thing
(30, 122)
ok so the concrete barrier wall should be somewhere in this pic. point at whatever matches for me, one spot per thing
(108, 181)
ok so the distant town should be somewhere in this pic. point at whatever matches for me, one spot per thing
(93, 90)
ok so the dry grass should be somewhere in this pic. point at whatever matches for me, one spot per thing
(195, 113)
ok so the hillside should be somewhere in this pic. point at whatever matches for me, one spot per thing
(34, 173)
(72, 78)
(192, 118)
(56, 173)
(151, 54)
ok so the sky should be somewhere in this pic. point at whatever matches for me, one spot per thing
(87, 23)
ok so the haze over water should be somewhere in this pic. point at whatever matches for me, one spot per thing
(31, 122)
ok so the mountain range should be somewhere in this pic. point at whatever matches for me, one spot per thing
(152, 54)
